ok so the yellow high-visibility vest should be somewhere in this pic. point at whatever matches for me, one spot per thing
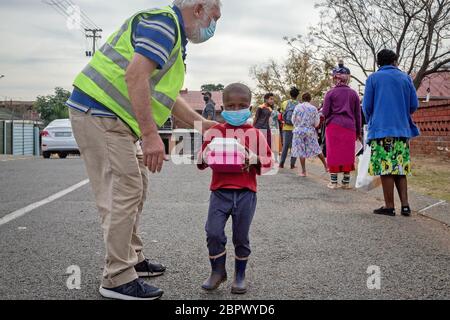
(103, 79)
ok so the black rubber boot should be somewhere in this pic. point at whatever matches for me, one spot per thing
(218, 274)
(239, 284)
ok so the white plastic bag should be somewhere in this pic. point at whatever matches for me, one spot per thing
(358, 147)
(364, 181)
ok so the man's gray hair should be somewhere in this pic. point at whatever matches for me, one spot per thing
(189, 3)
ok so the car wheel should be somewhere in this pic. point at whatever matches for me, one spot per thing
(46, 154)
(62, 155)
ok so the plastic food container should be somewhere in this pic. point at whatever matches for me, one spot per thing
(226, 162)
(226, 155)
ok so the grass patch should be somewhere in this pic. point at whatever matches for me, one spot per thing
(431, 177)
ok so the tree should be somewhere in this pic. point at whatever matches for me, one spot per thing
(300, 69)
(53, 107)
(417, 30)
(212, 87)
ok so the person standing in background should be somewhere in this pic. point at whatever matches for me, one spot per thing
(263, 115)
(288, 126)
(275, 130)
(389, 101)
(305, 143)
(342, 112)
(209, 112)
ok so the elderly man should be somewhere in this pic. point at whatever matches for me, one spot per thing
(128, 90)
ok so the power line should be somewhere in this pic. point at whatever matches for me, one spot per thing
(88, 20)
(62, 11)
(90, 29)
(86, 17)
(63, 8)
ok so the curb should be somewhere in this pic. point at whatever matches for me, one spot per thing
(431, 208)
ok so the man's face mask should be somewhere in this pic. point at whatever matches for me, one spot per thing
(202, 34)
(208, 33)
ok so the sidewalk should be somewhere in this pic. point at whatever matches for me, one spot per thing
(8, 157)
(423, 205)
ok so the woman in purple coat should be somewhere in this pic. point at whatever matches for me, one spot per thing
(342, 111)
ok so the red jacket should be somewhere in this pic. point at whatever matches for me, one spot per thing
(252, 139)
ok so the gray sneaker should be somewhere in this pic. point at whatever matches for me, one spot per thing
(134, 290)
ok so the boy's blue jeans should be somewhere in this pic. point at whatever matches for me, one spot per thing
(241, 206)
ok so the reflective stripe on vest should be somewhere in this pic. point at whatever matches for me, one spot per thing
(106, 86)
(123, 63)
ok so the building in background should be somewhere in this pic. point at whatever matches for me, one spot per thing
(437, 86)
(433, 117)
(18, 110)
(19, 128)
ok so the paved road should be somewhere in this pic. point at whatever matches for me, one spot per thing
(308, 242)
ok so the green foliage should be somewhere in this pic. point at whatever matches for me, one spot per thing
(299, 69)
(212, 87)
(52, 107)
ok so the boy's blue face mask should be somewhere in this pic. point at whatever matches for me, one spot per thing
(236, 118)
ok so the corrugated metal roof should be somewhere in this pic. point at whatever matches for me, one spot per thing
(195, 99)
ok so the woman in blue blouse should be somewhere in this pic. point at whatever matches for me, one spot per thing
(389, 101)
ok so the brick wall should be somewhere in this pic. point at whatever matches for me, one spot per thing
(433, 119)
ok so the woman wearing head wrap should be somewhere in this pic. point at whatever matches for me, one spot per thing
(342, 111)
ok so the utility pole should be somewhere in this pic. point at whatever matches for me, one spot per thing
(94, 35)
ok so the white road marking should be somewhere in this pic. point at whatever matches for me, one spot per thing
(432, 206)
(21, 212)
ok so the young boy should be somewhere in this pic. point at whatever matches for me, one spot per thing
(234, 194)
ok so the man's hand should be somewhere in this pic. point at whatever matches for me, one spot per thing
(208, 124)
(186, 114)
(154, 152)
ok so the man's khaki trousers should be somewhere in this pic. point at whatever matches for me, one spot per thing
(119, 179)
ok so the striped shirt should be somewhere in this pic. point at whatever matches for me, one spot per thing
(154, 37)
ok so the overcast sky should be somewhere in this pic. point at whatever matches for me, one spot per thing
(39, 51)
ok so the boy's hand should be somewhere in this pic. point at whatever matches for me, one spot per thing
(251, 159)
(205, 156)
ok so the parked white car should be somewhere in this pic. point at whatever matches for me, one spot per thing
(58, 138)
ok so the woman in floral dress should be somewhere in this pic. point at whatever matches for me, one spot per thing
(305, 143)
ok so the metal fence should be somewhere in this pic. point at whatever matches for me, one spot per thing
(19, 138)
